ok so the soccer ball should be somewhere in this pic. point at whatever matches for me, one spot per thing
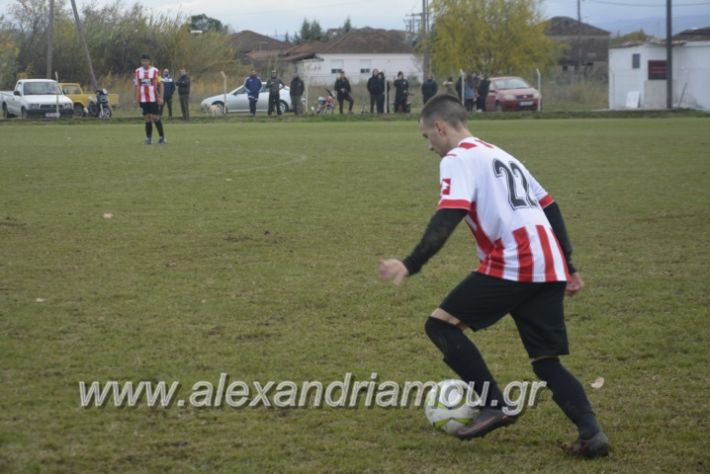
(450, 406)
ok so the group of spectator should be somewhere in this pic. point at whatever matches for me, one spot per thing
(471, 89)
(377, 86)
(182, 85)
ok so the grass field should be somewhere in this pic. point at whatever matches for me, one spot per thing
(252, 248)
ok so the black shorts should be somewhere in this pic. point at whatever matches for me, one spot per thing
(537, 309)
(150, 108)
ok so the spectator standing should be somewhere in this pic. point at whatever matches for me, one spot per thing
(296, 90)
(376, 88)
(401, 86)
(169, 88)
(183, 88)
(344, 92)
(274, 85)
(469, 93)
(429, 89)
(253, 86)
(483, 87)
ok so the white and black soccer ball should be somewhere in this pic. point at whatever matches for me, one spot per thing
(451, 406)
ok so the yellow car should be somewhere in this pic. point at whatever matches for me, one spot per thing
(81, 99)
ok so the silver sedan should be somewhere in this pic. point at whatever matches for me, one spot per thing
(238, 102)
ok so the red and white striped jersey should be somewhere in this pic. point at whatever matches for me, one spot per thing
(505, 205)
(147, 81)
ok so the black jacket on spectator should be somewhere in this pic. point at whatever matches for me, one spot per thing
(376, 85)
(401, 87)
(429, 89)
(183, 85)
(274, 85)
(297, 87)
(342, 87)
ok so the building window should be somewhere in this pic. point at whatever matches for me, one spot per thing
(657, 70)
(635, 60)
(336, 66)
(365, 66)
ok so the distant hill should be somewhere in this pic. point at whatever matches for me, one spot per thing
(655, 26)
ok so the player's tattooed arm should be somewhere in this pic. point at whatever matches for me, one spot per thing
(554, 215)
(440, 227)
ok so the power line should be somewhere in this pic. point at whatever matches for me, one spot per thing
(646, 5)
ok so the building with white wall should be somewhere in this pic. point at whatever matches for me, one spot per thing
(357, 53)
(637, 73)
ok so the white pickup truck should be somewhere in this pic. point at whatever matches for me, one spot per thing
(35, 98)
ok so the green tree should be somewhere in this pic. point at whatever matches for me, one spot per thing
(8, 56)
(310, 31)
(490, 36)
(205, 23)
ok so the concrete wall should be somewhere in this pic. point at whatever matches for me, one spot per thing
(691, 72)
(691, 76)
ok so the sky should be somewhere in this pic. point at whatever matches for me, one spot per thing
(276, 17)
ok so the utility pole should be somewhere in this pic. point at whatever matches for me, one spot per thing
(82, 39)
(669, 55)
(426, 66)
(579, 35)
(50, 39)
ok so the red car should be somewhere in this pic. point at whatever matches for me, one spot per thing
(511, 93)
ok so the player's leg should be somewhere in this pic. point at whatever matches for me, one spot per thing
(541, 325)
(147, 117)
(477, 302)
(155, 117)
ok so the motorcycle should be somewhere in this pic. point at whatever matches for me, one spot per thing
(325, 105)
(100, 107)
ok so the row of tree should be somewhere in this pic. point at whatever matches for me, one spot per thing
(487, 36)
(116, 37)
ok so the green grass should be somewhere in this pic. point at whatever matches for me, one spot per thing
(251, 249)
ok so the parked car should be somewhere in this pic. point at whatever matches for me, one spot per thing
(36, 98)
(238, 102)
(512, 93)
(81, 99)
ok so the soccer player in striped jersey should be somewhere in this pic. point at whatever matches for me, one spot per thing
(148, 91)
(525, 270)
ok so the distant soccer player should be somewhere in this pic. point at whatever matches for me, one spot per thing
(149, 94)
(525, 270)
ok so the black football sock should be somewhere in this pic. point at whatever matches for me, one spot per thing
(464, 358)
(149, 129)
(569, 394)
(159, 126)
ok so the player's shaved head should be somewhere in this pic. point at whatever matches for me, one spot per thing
(444, 108)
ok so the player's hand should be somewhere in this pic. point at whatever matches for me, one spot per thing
(393, 270)
(160, 101)
(574, 284)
